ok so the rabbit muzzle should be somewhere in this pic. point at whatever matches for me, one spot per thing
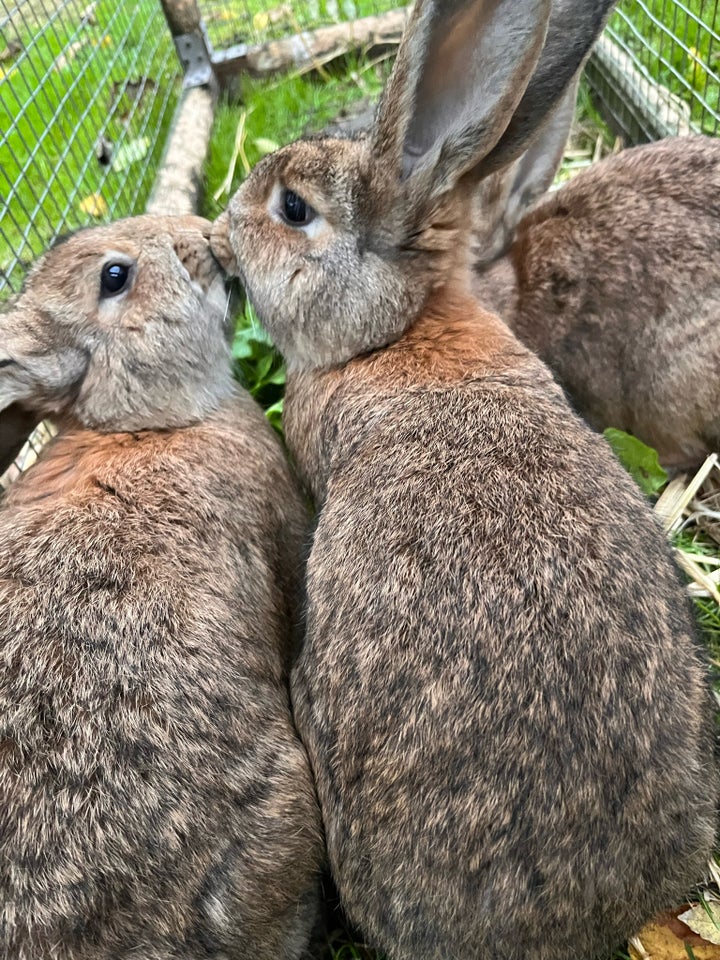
(221, 247)
(196, 255)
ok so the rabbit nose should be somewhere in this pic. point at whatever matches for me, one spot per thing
(220, 244)
(195, 255)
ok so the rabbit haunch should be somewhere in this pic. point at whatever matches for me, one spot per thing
(155, 800)
(500, 677)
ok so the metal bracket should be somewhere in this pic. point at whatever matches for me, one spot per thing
(192, 49)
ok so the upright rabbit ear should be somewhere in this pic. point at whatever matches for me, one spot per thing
(503, 198)
(574, 27)
(461, 71)
(535, 170)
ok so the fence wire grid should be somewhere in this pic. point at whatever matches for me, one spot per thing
(254, 22)
(656, 70)
(87, 91)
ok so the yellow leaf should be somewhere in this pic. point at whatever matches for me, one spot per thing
(265, 146)
(94, 205)
(261, 21)
(666, 938)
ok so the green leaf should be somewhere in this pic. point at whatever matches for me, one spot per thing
(640, 461)
(274, 415)
(243, 346)
(278, 378)
(258, 365)
(263, 368)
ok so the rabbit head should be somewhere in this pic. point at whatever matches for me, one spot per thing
(120, 327)
(341, 241)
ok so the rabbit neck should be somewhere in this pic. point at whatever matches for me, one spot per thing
(454, 342)
(71, 462)
(124, 399)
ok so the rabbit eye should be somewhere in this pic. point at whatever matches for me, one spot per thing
(294, 209)
(113, 279)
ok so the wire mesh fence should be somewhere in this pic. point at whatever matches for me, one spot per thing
(656, 70)
(87, 91)
(255, 22)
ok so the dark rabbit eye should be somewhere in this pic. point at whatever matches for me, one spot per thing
(295, 210)
(113, 278)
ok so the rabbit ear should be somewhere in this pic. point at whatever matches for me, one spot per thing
(535, 170)
(16, 425)
(574, 27)
(461, 71)
(503, 198)
(12, 382)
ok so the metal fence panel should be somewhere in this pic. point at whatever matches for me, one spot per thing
(87, 92)
(656, 70)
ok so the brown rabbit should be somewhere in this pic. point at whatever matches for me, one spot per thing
(614, 280)
(506, 709)
(155, 801)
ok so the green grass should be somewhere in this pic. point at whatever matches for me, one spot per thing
(697, 542)
(682, 48)
(68, 85)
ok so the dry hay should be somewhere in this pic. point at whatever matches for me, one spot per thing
(693, 505)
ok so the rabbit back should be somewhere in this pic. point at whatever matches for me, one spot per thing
(154, 796)
(501, 679)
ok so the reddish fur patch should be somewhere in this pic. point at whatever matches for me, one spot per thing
(74, 462)
(453, 339)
